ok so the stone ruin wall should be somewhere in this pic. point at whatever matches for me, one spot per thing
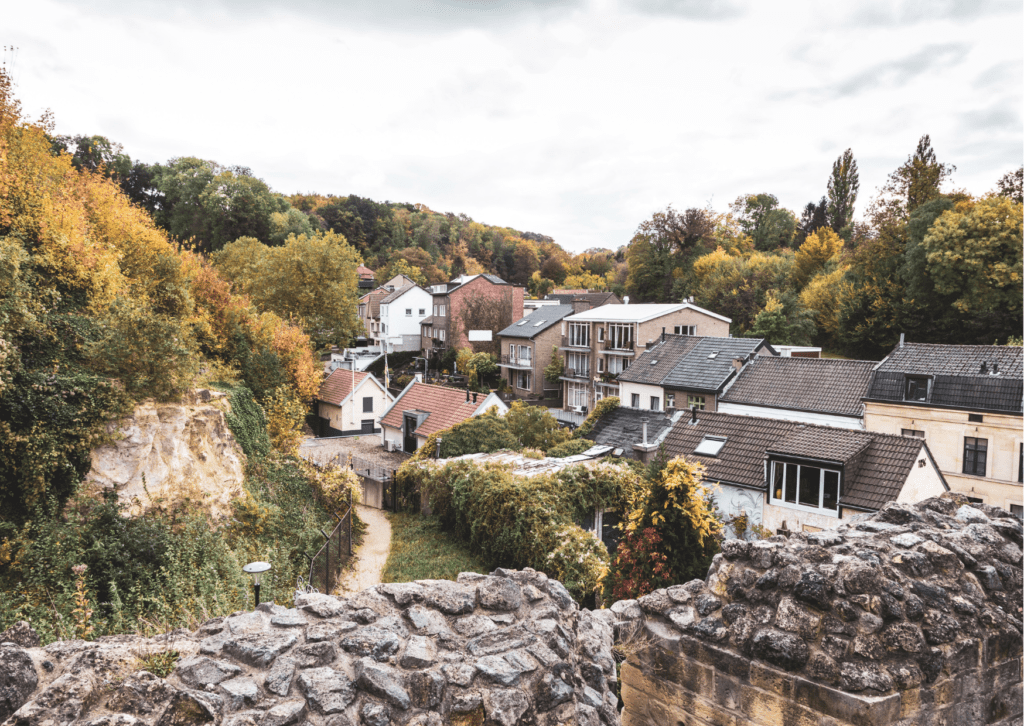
(511, 648)
(911, 616)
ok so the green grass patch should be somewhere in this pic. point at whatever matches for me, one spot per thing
(422, 550)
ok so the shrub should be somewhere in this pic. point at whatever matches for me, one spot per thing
(534, 427)
(480, 434)
(285, 416)
(514, 521)
(570, 448)
(247, 421)
(603, 406)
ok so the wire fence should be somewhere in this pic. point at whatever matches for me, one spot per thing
(326, 565)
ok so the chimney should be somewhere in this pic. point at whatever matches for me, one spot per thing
(995, 369)
(662, 333)
(984, 368)
(580, 305)
(467, 395)
(693, 414)
(901, 339)
(625, 300)
(474, 398)
(643, 422)
(737, 362)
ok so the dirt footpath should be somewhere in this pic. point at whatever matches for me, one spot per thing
(371, 555)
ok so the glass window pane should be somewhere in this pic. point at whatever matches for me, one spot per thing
(830, 498)
(777, 468)
(791, 472)
(810, 486)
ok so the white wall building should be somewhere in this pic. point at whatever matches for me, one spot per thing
(401, 313)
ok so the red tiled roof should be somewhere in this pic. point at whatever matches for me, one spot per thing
(338, 386)
(364, 272)
(446, 406)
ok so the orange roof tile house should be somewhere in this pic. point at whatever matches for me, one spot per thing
(421, 410)
(351, 403)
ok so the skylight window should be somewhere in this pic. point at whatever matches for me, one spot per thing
(654, 362)
(713, 355)
(522, 322)
(539, 323)
(710, 445)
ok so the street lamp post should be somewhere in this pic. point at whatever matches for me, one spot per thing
(256, 569)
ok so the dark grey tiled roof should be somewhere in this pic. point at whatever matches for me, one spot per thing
(824, 385)
(658, 362)
(596, 299)
(623, 427)
(877, 465)
(549, 314)
(429, 320)
(957, 379)
(397, 294)
(697, 363)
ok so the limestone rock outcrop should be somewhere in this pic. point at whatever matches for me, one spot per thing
(509, 648)
(170, 451)
(912, 615)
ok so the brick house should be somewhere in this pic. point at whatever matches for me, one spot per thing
(470, 306)
(527, 347)
(600, 343)
(368, 307)
(965, 400)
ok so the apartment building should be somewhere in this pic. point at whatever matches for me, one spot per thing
(965, 401)
(470, 311)
(601, 343)
(527, 348)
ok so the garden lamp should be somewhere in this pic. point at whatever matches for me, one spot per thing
(256, 569)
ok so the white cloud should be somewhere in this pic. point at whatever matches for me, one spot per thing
(572, 119)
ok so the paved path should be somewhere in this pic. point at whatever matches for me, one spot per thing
(371, 555)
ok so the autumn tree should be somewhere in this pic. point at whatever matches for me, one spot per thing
(843, 185)
(1011, 185)
(817, 249)
(534, 427)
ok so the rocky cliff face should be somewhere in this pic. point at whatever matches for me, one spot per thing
(171, 451)
(510, 648)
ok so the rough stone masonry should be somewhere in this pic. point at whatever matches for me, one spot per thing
(911, 616)
(510, 648)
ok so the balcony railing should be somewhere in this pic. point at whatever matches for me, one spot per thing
(516, 361)
(566, 343)
(576, 373)
(623, 346)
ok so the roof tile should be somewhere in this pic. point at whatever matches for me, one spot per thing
(446, 406)
(824, 385)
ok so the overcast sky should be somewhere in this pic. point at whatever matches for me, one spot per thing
(573, 119)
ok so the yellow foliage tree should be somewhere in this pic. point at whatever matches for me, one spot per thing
(825, 295)
(816, 250)
(583, 280)
(285, 416)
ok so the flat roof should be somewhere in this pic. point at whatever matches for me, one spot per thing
(637, 313)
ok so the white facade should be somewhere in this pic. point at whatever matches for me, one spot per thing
(811, 417)
(361, 410)
(400, 319)
(645, 392)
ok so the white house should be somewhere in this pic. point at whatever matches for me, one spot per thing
(351, 402)
(401, 313)
(421, 410)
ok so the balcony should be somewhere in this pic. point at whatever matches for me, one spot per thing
(575, 374)
(623, 347)
(577, 344)
(515, 361)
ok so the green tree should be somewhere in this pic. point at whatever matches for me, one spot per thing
(843, 185)
(1011, 185)
(553, 371)
(764, 221)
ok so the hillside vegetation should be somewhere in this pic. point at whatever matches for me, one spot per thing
(99, 309)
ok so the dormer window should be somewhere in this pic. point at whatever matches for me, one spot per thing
(710, 445)
(916, 389)
(801, 486)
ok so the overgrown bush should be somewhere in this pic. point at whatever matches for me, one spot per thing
(603, 406)
(534, 427)
(572, 447)
(480, 434)
(514, 521)
(247, 421)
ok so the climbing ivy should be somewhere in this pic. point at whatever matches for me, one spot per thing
(247, 421)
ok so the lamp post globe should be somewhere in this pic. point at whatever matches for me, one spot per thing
(256, 569)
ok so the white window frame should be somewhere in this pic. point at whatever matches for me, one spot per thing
(670, 400)
(655, 403)
(617, 364)
(573, 361)
(600, 365)
(443, 312)
(524, 377)
(600, 334)
(685, 330)
(620, 336)
(579, 335)
(576, 394)
(820, 509)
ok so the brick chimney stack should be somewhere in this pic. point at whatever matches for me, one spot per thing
(580, 305)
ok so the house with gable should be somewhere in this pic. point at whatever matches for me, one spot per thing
(788, 476)
(350, 402)
(527, 348)
(965, 401)
(368, 307)
(422, 409)
(470, 311)
(826, 391)
(400, 315)
(683, 371)
(600, 343)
